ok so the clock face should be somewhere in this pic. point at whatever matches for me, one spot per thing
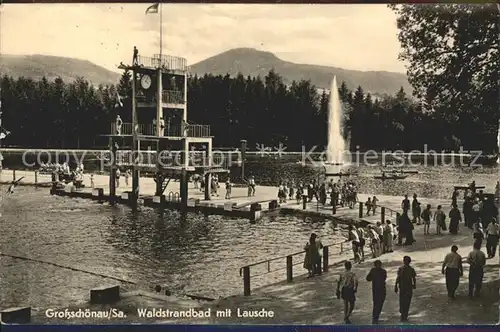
(146, 81)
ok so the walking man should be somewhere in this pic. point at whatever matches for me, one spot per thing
(493, 233)
(347, 287)
(406, 282)
(477, 261)
(377, 276)
(452, 269)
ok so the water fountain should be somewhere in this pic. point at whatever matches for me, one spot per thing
(335, 154)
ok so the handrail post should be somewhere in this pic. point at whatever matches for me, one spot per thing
(13, 175)
(246, 281)
(36, 178)
(361, 209)
(289, 268)
(325, 259)
(382, 214)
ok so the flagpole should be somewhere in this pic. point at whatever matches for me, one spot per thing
(161, 32)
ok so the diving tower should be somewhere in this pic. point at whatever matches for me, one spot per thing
(158, 137)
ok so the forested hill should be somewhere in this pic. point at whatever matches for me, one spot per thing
(252, 62)
(37, 66)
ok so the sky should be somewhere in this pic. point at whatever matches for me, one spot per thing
(362, 37)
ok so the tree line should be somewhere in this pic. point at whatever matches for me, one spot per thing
(44, 114)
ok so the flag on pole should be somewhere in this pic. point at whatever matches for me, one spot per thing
(153, 9)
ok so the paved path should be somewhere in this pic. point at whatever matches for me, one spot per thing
(313, 301)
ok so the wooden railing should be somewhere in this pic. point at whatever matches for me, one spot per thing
(169, 159)
(172, 97)
(168, 62)
(191, 130)
(288, 265)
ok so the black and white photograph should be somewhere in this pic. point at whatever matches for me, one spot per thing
(319, 164)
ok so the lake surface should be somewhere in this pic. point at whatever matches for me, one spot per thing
(199, 255)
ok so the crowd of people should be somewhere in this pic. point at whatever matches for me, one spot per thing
(380, 238)
(326, 193)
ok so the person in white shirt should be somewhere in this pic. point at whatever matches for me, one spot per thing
(354, 238)
(492, 235)
(118, 123)
(477, 261)
(452, 269)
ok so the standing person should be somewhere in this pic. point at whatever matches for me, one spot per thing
(347, 287)
(415, 209)
(406, 226)
(118, 174)
(362, 242)
(162, 126)
(406, 282)
(251, 186)
(118, 124)
(368, 205)
(439, 219)
(354, 238)
(405, 204)
(374, 204)
(477, 261)
(228, 189)
(478, 233)
(492, 235)
(426, 217)
(312, 260)
(377, 276)
(127, 176)
(375, 242)
(135, 59)
(388, 236)
(452, 269)
(454, 197)
(455, 218)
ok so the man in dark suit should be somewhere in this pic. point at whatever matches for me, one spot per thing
(377, 276)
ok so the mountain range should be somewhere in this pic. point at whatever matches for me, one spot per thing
(248, 61)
